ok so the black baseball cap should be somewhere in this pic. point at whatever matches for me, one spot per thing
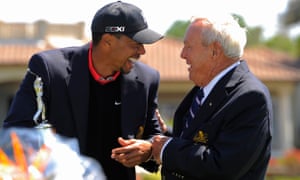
(125, 18)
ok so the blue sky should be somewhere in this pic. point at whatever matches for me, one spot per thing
(160, 14)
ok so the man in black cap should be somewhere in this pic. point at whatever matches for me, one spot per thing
(98, 93)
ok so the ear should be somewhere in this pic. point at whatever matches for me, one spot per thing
(106, 39)
(216, 49)
(214, 52)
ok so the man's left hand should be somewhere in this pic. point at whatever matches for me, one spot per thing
(133, 152)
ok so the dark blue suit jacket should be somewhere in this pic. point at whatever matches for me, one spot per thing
(230, 137)
(65, 75)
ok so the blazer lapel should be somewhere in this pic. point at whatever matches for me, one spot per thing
(78, 86)
(133, 105)
(206, 111)
(216, 98)
(179, 121)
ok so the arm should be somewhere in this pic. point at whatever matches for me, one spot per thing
(24, 105)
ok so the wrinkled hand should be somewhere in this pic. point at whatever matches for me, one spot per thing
(157, 144)
(132, 152)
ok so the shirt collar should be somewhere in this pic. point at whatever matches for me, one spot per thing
(97, 76)
(207, 89)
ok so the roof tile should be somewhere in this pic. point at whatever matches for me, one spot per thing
(164, 55)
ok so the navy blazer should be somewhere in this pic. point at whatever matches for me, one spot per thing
(65, 75)
(230, 137)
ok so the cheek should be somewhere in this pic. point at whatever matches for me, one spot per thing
(200, 68)
(196, 70)
(198, 63)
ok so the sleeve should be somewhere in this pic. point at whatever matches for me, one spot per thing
(152, 126)
(24, 104)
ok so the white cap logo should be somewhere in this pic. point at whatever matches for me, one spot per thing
(114, 28)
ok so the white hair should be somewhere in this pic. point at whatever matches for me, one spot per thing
(225, 30)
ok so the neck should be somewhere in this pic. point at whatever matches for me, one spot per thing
(101, 64)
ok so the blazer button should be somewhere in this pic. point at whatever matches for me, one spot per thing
(179, 176)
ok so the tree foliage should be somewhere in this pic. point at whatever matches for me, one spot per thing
(282, 43)
(292, 15)
(178, 29)
(254, 36)
(297, 46)
(240, 20)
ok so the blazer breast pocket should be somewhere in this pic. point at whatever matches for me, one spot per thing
(204, 134)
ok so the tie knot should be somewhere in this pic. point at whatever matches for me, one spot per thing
(200, 93)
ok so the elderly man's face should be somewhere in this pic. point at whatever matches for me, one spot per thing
(198, 56)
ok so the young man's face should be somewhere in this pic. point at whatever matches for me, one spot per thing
(125, 51)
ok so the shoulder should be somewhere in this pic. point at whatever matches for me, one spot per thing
(55, 60)
(143, 73)
(60, 53)
(143, 68)
(247, 86)
(57, 57)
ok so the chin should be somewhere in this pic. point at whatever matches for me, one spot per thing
(190, 77)
(125, 71)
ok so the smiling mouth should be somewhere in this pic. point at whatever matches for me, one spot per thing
(189, 67)
(132, 59)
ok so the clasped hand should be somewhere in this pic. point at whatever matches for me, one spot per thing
(132, 152)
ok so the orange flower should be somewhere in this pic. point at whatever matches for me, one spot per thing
(19, 169)
(18, 152)
(273, 162)
(4, 160)
(41, 159)
(294, 154)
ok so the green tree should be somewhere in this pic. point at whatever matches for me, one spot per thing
(291, 16)
(178, 29)
(297, 46)
(282, 43)
(240, 20)
(254, 34)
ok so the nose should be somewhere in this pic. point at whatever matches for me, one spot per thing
(141, 49)
(183, 54)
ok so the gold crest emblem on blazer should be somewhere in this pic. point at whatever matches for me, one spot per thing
(201, 137)
(139, 134)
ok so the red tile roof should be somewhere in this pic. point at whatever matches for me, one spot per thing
(268, 65)
(164, 55)
(16, 54)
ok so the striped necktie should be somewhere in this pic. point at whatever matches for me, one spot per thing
(194, 107)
